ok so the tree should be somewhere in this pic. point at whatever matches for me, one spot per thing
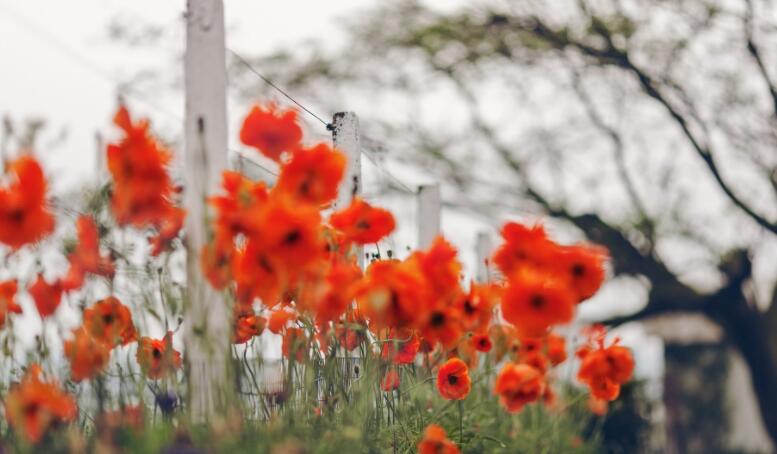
(650, 128)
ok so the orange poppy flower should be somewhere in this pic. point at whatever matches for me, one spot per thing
(271, 131)
(156, 357)
(142, 188)
(46, 296)
(393, 294)
(339, 288)
(8, 304)
(604, 370)
(88, 355)
(534, 302)
(352, 332)
(312, 175)
(236, 209)
(518, 385)
(441, 268)
(247, 326)
(453, 380)
(279, 319)
(556, 349)
(476, 307)
(536, 360)
(33, 406)
(24, 215)
(291, 233)
(86, 257)
(436, 441)
(295, 344)
(401, 346)
(390, 381)
(481, 342)
(110, 322)
(362, 223)
(583, 267)
(442, 326)
(523, 246)
(169, 225)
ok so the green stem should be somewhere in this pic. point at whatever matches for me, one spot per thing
(461, 423)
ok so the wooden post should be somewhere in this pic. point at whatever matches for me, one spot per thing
(428, 215)
(207, 324)
(345, 135)
(483, 255)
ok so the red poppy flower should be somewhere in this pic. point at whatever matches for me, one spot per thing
(142, 188)
(156, 357)
(604, 370)
(534, 302)
(24, 214)
(453, 380)
(46, 296)
(34, 405)
(390, 381)
(481, 342)
(312, 175)
(236, 209)
(476, 307)
(279, 319)
(442, 326)
(86, 257)
(88, 355)
(393, 294)
(352, 332)
(247, 326)
(583, 267)
(436, 441)
(442, 270)
(295, 344)
(361, 223)
(8, 304)
(110, 322)
(291, 232)
(556, 349)
(518, 385)
(401, 346)
(523, 246)
(338, 290)
(271, 131)
(168, 226)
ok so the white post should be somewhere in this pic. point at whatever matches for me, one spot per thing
(207, 325)
(428, 215)
(483, 254)
(345, 135)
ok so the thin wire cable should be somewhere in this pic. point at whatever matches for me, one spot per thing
(386, 172)
(279, 89)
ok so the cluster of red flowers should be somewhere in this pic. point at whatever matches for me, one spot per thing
(293, 270)
(107, 325)
(272, 245)
(142, 197)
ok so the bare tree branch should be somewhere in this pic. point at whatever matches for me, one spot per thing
(756, 54)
